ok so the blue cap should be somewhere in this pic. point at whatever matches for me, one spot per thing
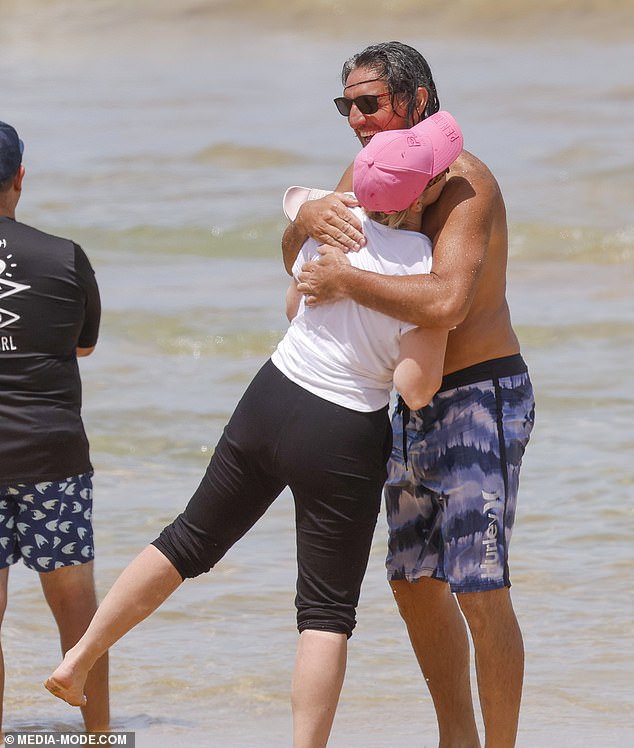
(11, 148)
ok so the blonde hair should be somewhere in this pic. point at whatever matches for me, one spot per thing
(392, 220)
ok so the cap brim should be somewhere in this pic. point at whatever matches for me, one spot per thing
(295, 197)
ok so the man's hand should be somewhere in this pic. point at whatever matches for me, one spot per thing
(329, 221)
(322, 281)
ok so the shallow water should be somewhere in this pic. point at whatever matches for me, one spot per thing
(162, 141)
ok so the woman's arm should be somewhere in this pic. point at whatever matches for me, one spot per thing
(293, 297)
(418, 371)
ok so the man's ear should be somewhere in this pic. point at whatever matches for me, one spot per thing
(422, 96)
(17, 182)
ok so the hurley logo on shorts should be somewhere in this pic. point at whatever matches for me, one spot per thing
(491, 555)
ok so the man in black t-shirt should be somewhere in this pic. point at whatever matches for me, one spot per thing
(49, 315)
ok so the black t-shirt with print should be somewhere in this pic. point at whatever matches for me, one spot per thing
(49, 306)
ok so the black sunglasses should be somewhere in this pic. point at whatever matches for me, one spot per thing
(366, 104)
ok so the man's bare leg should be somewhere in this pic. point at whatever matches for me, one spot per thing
(440, 640)
(320, 667)
(140, 589)
(499, 653)
(70, 593)
(4, 585)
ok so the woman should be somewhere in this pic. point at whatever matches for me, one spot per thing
(315, 418)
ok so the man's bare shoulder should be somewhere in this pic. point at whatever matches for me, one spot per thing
(470, 202)
(475, 173)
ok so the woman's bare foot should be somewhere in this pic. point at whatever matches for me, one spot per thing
(67, 684)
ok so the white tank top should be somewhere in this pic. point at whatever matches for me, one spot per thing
(345, 352)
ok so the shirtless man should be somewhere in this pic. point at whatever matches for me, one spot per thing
(451, 493)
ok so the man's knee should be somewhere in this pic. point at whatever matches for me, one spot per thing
(480, 608)
(420, 598)
(70, 587)
(405, 596)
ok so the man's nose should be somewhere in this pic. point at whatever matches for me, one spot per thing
(356, 118)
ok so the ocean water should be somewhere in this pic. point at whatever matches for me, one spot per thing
(161, 136)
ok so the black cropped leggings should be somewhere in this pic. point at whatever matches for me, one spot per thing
(334, 461)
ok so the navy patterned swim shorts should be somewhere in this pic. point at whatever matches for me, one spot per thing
(48, 525)
(451, 510)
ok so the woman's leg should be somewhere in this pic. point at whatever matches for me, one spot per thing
(140, 589)
(320, 667)
(338, 470)
(234, 493)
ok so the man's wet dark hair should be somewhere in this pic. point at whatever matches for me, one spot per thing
(404, 70)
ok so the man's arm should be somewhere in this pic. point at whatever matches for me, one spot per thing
(328, 220)
(440, 299)
(92, 304)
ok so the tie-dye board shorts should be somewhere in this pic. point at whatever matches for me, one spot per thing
(47, 525)
(451, 511)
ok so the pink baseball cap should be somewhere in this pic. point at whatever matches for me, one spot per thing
(396, 165)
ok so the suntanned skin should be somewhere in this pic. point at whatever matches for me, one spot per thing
(466, 290)
(467, 286)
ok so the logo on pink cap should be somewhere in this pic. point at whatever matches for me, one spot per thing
(396, 165)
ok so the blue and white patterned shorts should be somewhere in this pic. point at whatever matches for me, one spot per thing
(48, 525)
(451, 511)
